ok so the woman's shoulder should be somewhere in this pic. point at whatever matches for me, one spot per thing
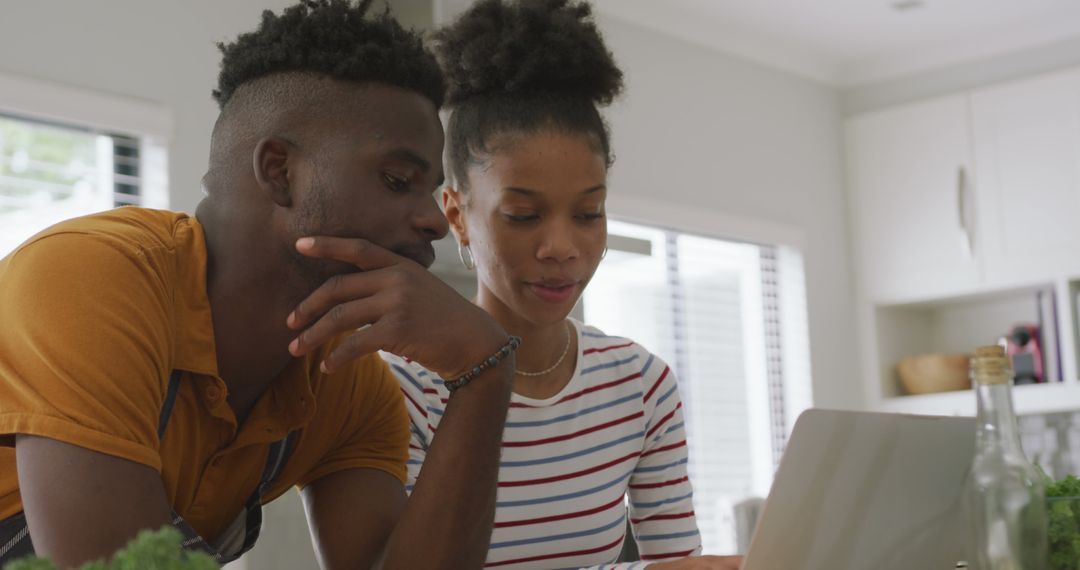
(601, 350)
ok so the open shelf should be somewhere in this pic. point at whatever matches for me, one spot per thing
(959, 325)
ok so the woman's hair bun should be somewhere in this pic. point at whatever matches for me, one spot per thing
(526, 47)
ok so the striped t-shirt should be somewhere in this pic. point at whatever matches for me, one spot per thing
(569, 461)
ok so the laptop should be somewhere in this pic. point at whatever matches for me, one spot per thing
(863, 490)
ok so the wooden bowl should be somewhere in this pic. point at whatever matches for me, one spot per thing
(930, 373)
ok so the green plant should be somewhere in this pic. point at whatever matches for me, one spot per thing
(1063, 514)
(150, 550)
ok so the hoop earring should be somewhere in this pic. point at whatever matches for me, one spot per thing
(603, 255)
(469, 263)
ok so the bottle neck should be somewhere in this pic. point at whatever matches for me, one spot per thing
(996, 421)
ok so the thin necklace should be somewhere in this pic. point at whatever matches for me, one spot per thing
(565, 351)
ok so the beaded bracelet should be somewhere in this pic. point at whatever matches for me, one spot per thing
(507, 349)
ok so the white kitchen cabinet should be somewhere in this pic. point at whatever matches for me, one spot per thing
(911, 201)
(964, 210)
(1027, 152)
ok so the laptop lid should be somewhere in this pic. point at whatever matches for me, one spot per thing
(861, 490)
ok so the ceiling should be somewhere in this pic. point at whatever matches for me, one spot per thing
(850, 42)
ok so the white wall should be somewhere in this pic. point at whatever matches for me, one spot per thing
(711, 131)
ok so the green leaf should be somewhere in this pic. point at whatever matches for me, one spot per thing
(150, 550)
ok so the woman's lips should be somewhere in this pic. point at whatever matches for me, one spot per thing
(554, 293)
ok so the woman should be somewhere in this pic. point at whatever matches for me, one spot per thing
(593, 417)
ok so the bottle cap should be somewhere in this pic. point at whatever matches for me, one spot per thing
(991, 365)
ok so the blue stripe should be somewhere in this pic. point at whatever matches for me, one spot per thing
(408, 488)
(623, 439)
(605, 365)
(404, 374)
(435, 410)
(577, 414)
(541, 500)
(675, 427)
(664, 502)
(616, 523)
(673, 535)
(666, 396)
(648, 364)
(659, 467)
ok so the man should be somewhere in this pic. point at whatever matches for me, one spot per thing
(157, 368)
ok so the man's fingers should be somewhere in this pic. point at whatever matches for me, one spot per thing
(357, 344)
(356, 251)
(335, 291)
(338, 319)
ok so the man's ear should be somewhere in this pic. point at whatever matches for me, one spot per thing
(453, 204)
(271, 164)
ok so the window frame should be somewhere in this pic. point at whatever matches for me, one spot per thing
(78, 106)
(107, 113)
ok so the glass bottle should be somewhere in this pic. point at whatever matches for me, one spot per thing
(1006, 495)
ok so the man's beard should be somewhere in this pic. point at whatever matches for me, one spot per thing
(313, 219)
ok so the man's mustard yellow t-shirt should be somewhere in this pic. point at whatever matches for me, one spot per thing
(95, 314)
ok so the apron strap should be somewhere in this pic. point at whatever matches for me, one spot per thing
(275, 462)
(170, 399)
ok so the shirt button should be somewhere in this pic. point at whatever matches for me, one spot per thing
(213, 394)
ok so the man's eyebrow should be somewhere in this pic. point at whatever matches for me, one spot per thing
(409, 156)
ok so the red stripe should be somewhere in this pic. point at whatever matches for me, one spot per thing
(607, 348)
(657, 384)
(430, 391)
(416, 447)
(665, 448)
(662, 421)
(568, 475)
(663, 517)
(561, 517)
(419, 408)
(588, 390)
(557, 555)
(658, 485)
(667, 555)
(576, 434)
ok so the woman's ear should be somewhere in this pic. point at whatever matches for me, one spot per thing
(453, 206)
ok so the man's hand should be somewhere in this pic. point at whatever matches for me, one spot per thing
(701, 563)
(397, 305)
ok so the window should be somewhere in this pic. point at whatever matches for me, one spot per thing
(68, 152)
(730, 319)
(49, 173)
